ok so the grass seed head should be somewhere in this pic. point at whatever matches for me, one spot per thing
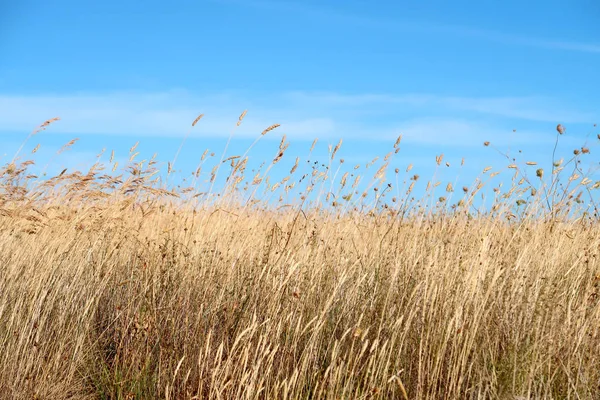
(198, 118)
(269, 129)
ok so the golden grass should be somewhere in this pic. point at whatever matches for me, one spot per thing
(113, 287)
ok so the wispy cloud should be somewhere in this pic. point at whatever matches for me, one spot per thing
(519, 40)
(424, 118)
(450, 132)
(531, 108)
(138, 114)
(398, 26)
(526, 108)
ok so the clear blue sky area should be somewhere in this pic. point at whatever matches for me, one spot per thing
(446, 75)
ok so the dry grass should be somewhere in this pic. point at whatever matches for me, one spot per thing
(113, 287)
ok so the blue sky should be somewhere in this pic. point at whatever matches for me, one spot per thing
(446, 75)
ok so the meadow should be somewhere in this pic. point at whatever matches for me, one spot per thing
(114, 285)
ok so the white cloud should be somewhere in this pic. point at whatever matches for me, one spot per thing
(532, 108)
(154, 114)
(518, 40)
(399, 26)
(423, 118)
(527, 108)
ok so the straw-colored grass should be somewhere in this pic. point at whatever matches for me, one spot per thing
(113, 288)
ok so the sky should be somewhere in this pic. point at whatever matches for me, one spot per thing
(446, 75)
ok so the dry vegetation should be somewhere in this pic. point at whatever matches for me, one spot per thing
(114, 287)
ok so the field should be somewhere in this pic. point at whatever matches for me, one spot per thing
(114, 286)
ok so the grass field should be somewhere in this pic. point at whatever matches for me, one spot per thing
(114, 287)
